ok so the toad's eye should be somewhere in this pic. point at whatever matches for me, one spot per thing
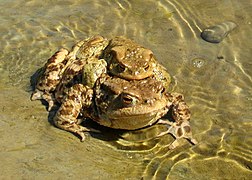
(128, 99)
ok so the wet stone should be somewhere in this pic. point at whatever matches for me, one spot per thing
(215, 34)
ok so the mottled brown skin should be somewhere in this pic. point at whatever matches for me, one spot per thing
(64, 69)
(88, 81)
(79, 96)
(52, 74)
(83, 53)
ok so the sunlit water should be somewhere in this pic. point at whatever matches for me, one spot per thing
(216, 80)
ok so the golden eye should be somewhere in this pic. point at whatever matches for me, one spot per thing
(128, 99)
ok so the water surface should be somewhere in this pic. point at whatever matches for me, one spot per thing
(216, 80)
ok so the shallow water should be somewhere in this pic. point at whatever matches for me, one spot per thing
(216, 80)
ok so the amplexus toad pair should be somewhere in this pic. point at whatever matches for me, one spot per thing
(117, 83)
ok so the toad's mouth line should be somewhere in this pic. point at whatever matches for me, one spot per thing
(138, 112)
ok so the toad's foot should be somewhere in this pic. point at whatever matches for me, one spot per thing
(37, 94)
(178, 131)
(71, 125)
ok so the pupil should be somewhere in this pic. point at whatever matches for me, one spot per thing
(127, 99)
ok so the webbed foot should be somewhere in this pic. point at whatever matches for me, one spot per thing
(41, 95)
(178, 131)
(71, 125)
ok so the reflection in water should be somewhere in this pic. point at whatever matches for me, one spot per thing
(215, 79)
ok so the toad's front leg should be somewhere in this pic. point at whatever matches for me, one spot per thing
(181, 114)
(78, 97)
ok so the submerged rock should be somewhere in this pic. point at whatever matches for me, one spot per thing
(217, 33)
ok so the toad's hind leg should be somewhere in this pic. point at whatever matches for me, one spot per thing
(181, 127)
(50, 78)
(78, 97)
